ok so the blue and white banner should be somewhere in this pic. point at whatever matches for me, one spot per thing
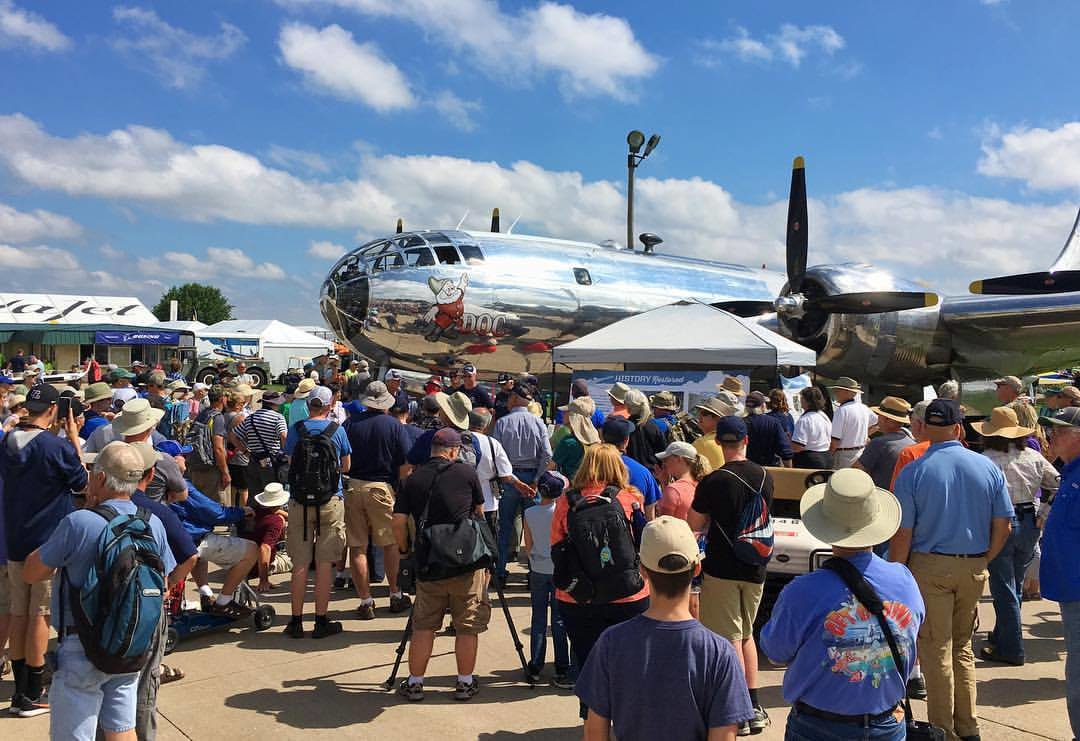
(236, 348)
(136, 337)
(689, 387)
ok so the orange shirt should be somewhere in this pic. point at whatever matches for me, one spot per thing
(907, 455)
(677, 497)
(559, 530)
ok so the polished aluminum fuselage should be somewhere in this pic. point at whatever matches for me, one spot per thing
(435, 299)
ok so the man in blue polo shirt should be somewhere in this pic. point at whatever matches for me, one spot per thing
(617, 431)
(956, 517)
(1058, 576)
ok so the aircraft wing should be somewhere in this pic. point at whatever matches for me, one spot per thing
(1019, 335)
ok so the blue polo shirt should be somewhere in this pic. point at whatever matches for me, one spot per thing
(948, 497)
(644, 480)
(1059, 577)
(380, 444)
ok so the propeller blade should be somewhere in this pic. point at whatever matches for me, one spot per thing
(871, 302)
(400, 226)
(746, 308)
(796, 226)
(1026, 284)
(495, 219)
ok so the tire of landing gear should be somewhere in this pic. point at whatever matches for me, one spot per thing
(172, 637)
(263, 617)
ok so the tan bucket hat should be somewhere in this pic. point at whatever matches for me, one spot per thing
(376, 396)
(579, 418)
(732, 384)
(618, 391)
(717, 406)
(849, 511)
(98, 392)
(136, 416)
(848, 384)
(1002, 423)
(455, 407)
(304, 388)
(894, 408)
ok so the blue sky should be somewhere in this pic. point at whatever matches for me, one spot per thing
(246, 144)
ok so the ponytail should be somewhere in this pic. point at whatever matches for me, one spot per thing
(700, 467)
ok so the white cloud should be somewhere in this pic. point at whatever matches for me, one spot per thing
(29, 226)
(107, 250)
(455, 110)
(1044, 159)
(38, 257)
(791, 44)
(323, 250)
(589, 53)
(331, 61)
(947, 236)
(179, 57)
(22, 28)
(298, 159)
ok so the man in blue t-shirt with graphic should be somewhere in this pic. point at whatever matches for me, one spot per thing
(617, 431)
(316, 532)
(841, 679)
(704, 696)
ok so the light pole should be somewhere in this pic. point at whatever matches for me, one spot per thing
(635, 140)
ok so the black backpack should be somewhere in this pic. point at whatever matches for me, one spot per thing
(597, 561)
(314, 475)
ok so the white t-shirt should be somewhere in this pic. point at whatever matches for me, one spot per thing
(812, 431)
(493, 463)
(851, 424)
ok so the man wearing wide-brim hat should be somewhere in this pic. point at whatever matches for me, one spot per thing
(732, 384)
(617, 395)
(136, 416)
(880, 454)
(98, 399)
(709, 411)
(840, 673)
(851, 423)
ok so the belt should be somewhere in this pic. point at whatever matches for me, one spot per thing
(1024, 507)
(848, 450)
(960, 555)
(802, 707)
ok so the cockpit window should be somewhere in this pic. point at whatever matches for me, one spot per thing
(447, 254)
(419, 257)
(390, 261)
(348, 270)
(434, 238)
(377, 248)
(471, 253)
(411, 240)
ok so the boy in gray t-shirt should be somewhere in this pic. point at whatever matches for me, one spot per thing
(550, 486)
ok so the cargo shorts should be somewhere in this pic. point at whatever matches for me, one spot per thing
(330, 541)
(369, 512)
(465, 596)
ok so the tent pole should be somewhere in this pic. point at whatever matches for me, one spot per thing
(554, 394)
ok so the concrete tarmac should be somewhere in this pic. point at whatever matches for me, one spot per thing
(246, 685)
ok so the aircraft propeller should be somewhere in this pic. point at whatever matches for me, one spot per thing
(495, 219)
(1062, 277)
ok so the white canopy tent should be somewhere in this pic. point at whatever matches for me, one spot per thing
(685, 333)
(279, 344)
(190, 326)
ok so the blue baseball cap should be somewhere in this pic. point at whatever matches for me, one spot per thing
(7, 379)
(173, 448)
(730, 429)
(943, 413)
(551, 484)
(617, 429)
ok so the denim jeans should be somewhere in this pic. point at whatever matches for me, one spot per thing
(509, 505)
(543, 595)
(1007, 585)
(1070, 619)
(803, 727)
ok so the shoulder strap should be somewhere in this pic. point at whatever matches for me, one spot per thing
(747, 485)
(866, 595)
(301, 429)
(329, 430)
(422, 523)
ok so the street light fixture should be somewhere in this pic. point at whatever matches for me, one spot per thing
(635, 140)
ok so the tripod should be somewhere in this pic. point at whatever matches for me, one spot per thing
(518, 646)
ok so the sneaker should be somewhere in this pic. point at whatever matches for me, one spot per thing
(231, 609)
(563, 682)
(465, 692)
(760, 721)
(411, 692)
(295, 629)
(206, 604)
(916, 688)
(326, 628)
(744, 729)
(30, 708)
(16, 701)
(365, 611)
(532, 676)
(400, 604)
(340, 583)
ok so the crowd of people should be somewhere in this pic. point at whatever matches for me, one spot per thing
(648, 526)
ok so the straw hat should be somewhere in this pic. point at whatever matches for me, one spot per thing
(1002, 423)
(894, 408)
(847, 384)
(304, 388)
(579, 418)
(97, 392)
(732, 384)
(136, 416)
(179, 385)
(456, 408)
(273, 496)
(849, 511)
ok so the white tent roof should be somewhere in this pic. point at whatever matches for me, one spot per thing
(272, 333)
(686, 333)
(183, 325)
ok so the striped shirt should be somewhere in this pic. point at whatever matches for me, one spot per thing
(524, 437)
(261, 431)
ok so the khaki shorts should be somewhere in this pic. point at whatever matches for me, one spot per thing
(466, 598)
(329, 543)
(5, 591)
(729, 607)
(224, 550)
(27, 599)
(369, 510)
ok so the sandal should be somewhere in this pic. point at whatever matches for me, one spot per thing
(171, 674)
(232, 610)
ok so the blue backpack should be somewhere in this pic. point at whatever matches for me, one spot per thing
(118, 610)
